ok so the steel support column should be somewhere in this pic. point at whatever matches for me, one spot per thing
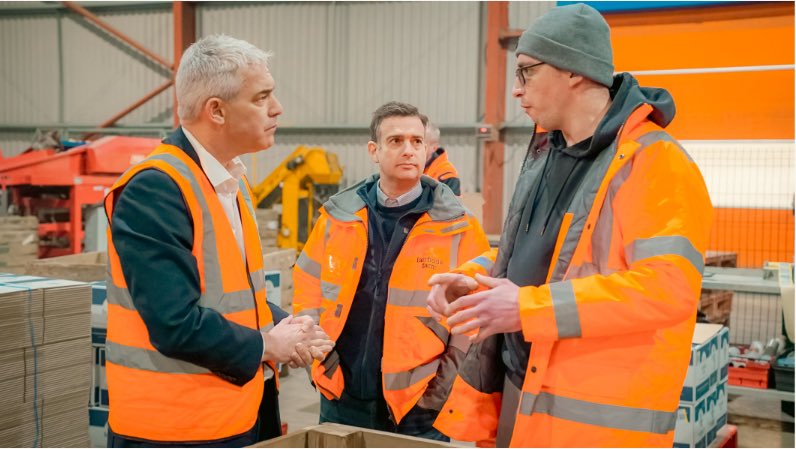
(494, 114)
(184, 14)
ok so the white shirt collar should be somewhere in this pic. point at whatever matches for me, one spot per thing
(224, 177)
(404, 199)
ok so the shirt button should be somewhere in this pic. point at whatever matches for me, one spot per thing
(533, 369)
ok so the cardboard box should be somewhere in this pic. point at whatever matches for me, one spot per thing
(702, 367)
(282, 259)
(338, 435)
(692, 425)
(273, 287)
(723, 354)
(84, 267)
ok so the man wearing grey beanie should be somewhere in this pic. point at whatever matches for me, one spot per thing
(583, 316)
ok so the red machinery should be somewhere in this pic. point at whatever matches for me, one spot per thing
(56, 186)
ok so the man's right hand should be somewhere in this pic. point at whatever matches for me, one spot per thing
(446, 288)
(296, 340)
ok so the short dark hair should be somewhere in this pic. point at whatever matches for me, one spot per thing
(393, 109)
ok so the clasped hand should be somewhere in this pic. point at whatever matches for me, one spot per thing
(479, 314)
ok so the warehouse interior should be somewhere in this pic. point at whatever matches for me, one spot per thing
(88, 91)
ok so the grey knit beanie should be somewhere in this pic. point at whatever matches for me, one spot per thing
(575, 38)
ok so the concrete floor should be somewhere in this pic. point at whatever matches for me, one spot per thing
(299, 403)
(760, 422)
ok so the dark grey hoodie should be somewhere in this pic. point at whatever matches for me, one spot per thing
(564, 169)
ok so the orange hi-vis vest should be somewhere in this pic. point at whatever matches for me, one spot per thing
(611, 329)
(158, 398)
(416, 347)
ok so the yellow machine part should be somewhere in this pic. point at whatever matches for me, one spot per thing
(305, 177)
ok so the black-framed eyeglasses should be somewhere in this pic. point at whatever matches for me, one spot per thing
(521, 72)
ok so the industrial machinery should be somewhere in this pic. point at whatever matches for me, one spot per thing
(65, 187)
(302, 182)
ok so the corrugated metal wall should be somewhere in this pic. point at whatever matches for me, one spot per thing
(102, 76)
(57, 68)
(334, 63)
(29, 64)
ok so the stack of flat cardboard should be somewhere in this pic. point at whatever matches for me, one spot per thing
(280, 262)
(268, 226)
(45, 356)
(19, 242)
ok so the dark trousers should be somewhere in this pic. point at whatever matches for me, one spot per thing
(375, 415)
(245, 439)
(270, 422)
(268, 426)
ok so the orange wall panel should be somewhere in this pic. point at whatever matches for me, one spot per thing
(756, 235)
(726, 106)
(736, 105)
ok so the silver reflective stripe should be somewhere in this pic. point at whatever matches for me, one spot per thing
(454, 255)
(212, 269)
(407, 298)
(119, 296)
(330, 291)
(460, 342)
(508, 412)
(258, 280)
(603, 229)
(566, 309)
(235, 302)
(229, 302)
(246, 198)
(267, 327)
(314, 313)
(145, 359)
(664, 246)
(330, 364)
(309, 266)
(656, 136)
(439, 330)
(405, 379)
(603, 415)
(454, 227)
(484, 262)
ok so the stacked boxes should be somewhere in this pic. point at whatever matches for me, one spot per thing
(19, 242)
(44, 361)
(268, 226)
(703, 400)
(98, 401)
(280, 262)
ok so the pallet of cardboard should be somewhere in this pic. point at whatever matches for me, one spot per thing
(45, 361)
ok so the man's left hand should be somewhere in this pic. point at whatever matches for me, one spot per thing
(490, 312)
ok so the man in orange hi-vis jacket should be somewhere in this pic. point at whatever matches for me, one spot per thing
(438, 166)
(363, 275)
(583, 316)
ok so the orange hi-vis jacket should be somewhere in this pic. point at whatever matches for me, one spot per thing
(611, 329)
(155, 397)
(441, 169)
(417, 349)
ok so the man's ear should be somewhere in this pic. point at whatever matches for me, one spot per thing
(214, 110)
(372, 150)
(575, 79)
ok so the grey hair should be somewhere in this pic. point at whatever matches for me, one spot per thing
(393, 109)
(432, 133)
(211, 67)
